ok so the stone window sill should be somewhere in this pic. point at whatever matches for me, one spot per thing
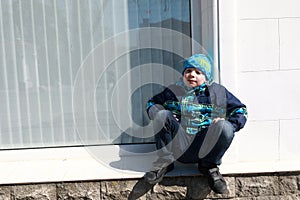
(104, 163)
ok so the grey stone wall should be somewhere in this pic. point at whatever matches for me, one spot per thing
(276, 186)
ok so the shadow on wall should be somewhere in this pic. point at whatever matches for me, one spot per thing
(195, 187)
(139, 158)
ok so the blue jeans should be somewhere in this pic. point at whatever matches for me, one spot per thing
(207, 147)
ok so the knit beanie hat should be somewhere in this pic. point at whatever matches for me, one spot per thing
(201, 62)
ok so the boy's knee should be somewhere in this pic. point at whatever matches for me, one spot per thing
(162, 115)
(227, 129)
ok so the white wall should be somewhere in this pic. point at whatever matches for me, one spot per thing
(260, 48)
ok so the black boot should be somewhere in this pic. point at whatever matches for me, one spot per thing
(157, 176)
(216, 181)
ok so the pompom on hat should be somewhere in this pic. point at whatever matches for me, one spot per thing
(201, 62)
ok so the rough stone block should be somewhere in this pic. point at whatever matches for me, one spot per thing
(288, 185)
(298, 182)
(260, 198)
(121, 189)
(277, 186)
(229, 194)
(79, 190)
(5, 193)
(37, 191)
(168, 192)
(257, 186)
(195, 187)
(286, 197)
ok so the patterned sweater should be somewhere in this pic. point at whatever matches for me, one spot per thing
(196, 108)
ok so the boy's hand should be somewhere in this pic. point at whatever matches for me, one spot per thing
(175, 116)
(217, 119)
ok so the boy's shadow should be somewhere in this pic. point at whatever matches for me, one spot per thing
(196, 187)
(139, 158)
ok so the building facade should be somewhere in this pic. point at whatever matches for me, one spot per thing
(75, 76)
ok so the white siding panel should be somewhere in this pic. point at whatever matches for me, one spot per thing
(289, 43)
(289, 139)
(258, 45)
(257, 8)
(268, 8)
(271, 95)
(228, 43)
(258, 141)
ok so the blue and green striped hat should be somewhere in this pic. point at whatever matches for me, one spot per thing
(201, 62)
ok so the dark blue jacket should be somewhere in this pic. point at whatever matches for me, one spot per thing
(203, 103)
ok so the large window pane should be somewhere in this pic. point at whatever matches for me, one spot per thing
(48, 95)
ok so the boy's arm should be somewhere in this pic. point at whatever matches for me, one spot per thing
(236, 111)
(155, 104)
(153, 108)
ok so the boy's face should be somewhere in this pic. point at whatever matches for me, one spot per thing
(193, 77)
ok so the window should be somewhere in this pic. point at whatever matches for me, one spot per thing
(57, 86)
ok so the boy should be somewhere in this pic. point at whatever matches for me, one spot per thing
(196, 120)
